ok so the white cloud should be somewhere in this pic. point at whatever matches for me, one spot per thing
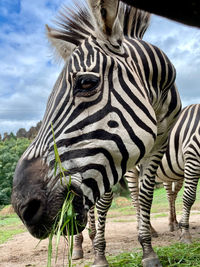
(26, 72)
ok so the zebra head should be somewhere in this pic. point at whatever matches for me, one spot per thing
(91, 109)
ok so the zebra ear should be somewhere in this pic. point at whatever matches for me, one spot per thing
(63, 48)
(108, 24)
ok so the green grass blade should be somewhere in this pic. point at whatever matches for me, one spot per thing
(50, 250)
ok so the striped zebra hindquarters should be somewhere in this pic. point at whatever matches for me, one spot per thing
(111, 109)
(181, 163)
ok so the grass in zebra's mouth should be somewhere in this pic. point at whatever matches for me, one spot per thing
(65, 221)
(64, 224)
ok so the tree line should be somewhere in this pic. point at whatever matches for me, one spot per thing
(22, 133)
(11, 150)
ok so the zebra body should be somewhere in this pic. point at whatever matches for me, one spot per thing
(181, 162)
(111, 108)
(181, 157)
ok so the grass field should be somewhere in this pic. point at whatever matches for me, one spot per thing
(159, 207)
(176, 255)
(10, 225)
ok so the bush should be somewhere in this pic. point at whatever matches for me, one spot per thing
(10, 152)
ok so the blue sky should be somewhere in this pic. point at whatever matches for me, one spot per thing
(28, 71)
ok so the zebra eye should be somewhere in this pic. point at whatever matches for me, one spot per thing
(85, 85)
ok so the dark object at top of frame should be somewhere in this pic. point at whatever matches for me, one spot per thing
(187, 12)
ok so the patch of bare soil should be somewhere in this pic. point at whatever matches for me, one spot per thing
(121, 236)
(7, 210)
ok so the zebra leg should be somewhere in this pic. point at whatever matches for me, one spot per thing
(132, 177)
(91, 221)
(172, 189)
(189, 197)
(99, 242)
(78, 239)
(78, 249)
(147, 177)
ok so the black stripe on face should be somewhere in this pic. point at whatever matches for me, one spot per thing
(90, 54)
(113, 124)
(142, 56)
(91, 166)
(97, 135)
(141, 124)
(136, 100)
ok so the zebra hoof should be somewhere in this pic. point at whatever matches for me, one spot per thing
(77, 254)
(173, 227)
(154, 234)
(151, 262)
(100, 261)
(186, 238)
(100, 265)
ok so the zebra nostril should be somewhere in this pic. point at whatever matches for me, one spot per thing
(32, 212)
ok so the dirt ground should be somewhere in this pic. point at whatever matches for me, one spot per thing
(121, 235)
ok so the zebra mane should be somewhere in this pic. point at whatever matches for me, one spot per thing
(135, 21)
(76, 25)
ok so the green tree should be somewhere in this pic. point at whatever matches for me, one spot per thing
(10, 152)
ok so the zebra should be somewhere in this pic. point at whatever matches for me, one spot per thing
(111, 108)
(181, 163)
